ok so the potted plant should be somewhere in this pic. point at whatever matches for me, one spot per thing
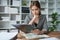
(54, 22)
(24, 2)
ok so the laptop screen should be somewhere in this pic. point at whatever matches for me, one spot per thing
(24, 27)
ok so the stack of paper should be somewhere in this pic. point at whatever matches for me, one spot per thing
(11, 10)
(5, 18)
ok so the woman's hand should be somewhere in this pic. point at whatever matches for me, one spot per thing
(35, 18)
(21, 35)
(36, 31)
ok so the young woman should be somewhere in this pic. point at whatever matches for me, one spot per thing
(37, 20)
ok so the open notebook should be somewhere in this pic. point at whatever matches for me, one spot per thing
(32, 36)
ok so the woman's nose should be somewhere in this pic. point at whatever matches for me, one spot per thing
(34, 11)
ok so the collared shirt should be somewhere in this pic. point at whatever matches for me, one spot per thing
(42, 24)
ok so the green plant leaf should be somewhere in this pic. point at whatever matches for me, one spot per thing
(54, 21)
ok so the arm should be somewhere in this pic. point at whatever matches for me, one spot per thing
(31, 22)
(28, 20)
(45, 26)
(34, 19)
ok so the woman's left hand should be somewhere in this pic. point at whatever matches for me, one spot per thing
(36, 31)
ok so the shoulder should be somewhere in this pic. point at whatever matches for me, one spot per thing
(29, 17)
(43, 16)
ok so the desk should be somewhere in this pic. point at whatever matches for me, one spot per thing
(51, 34)
(54, 34)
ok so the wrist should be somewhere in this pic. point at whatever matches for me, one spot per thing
(32, 21)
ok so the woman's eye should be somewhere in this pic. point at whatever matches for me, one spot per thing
(32, 10)
(36, 9)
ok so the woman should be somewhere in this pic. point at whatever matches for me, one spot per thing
(37, 20)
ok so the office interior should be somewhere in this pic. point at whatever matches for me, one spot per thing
(15, 11)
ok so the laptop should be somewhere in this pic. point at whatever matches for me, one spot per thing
(24, 27)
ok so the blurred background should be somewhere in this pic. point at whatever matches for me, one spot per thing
(15, 11)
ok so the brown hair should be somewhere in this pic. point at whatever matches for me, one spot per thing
(37, 4)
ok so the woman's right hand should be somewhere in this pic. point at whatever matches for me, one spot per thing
(21, 35)
(33, 19)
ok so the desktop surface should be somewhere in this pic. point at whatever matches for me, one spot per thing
(51, 34)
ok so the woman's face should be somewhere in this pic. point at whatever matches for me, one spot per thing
(35, 10)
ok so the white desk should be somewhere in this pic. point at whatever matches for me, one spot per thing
(7, 35)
